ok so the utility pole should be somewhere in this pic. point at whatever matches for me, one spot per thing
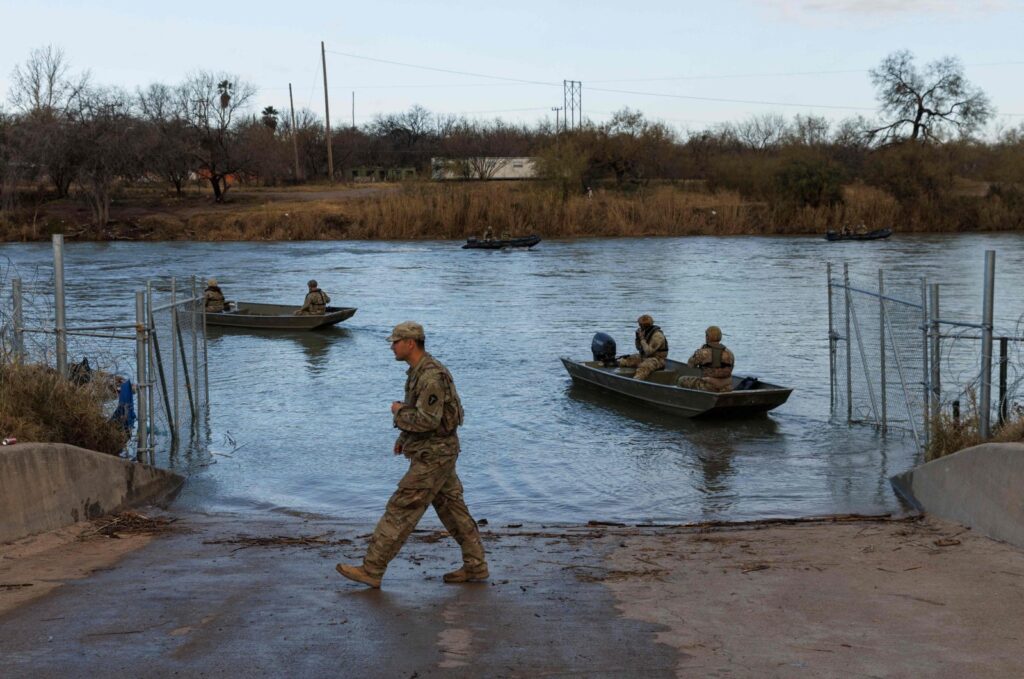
(572, 100)
(295, 133)
(353, 109)
(327, 116)
(556, 109)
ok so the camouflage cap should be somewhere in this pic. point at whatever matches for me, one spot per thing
(212, 282)
(645, 320)
(312, 283)
(713, 333)
(407, 330)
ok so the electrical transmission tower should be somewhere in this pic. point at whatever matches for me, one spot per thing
(573, 104)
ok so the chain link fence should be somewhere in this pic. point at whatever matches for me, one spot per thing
(160, 346)
(896, 363)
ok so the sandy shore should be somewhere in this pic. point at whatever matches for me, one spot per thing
(227, 594)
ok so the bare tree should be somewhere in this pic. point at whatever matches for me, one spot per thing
(167, 138)
(109, 139)
(762, 132)
(215, 101)
(927, 105)
(44, 83)
(46, 93)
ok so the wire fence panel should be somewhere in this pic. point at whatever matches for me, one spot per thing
(896, 362)
(178, 363)
(878, 354)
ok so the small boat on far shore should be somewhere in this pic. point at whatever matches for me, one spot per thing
(275, 317)
(877, 234)
(501, 243)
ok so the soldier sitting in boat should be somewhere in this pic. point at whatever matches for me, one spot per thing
(214, 298)
(315, 303)
(652, 347)
(715, 363)
(488, 234)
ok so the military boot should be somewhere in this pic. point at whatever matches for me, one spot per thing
(465, 575)
(359, 574)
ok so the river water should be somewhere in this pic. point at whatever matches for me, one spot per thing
(307, 415)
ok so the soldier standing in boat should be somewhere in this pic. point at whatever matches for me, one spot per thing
(715, 362)
(428, 420)
(652, 348)
(315, 303)
(213, 297)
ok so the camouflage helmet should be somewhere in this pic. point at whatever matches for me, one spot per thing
(713, 333)
(312, 283)
(407, 330)
(645, 320)
(212, 282)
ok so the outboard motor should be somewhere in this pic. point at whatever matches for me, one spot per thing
(603, 348)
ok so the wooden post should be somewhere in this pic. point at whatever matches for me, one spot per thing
(327, 116)
(295, 133)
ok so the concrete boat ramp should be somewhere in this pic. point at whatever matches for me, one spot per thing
(191, 594)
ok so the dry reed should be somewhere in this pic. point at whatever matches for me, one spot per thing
(38, 405)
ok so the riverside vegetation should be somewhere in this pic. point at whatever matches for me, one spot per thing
(37, 404)
(98, 162)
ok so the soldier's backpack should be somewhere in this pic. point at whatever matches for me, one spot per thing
(453, 415)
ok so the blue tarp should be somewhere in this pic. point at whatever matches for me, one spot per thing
(124, 414)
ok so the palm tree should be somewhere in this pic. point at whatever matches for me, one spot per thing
(270, 117)
(224, 87)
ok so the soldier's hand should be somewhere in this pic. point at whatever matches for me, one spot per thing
(396, 406)
(398, 447)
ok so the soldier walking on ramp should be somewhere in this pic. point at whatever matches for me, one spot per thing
(428, 419)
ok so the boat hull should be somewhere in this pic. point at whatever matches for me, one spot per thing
(662, 393)
(275, 317)
(524, 242)
(877, 234)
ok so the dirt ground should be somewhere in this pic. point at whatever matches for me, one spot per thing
(232, 594)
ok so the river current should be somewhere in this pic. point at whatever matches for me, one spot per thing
(305, 416)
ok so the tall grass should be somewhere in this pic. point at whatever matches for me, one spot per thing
(948, 435)
(36, 404)
(426, 210)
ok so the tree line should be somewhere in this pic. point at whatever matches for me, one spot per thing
(66, 133)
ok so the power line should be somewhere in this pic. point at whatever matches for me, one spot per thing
(444, 70)
(729, 101)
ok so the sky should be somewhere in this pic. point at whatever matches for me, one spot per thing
(689, 64)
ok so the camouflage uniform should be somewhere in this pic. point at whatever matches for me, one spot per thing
(315, 303)
(214, 298)
(428, 421)
(653, 348)
(715, 362)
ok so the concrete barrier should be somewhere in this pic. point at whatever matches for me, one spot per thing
(48, 485)
(980, 487)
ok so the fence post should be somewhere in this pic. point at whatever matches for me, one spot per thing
(195, 356)
(151, 369)
(19, 321)
(1004, 410)
(849, 353)
(936, 352)
(925, 367)
(831, 344)
(984, 410)
(881, 345)
(174, 352)
(141, 373)
(58, 302)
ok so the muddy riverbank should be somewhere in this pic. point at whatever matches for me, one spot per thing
(259, 596)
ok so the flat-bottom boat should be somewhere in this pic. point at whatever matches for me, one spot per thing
(660, 390)
(877, 234)
(500, 244)
(275, 317)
